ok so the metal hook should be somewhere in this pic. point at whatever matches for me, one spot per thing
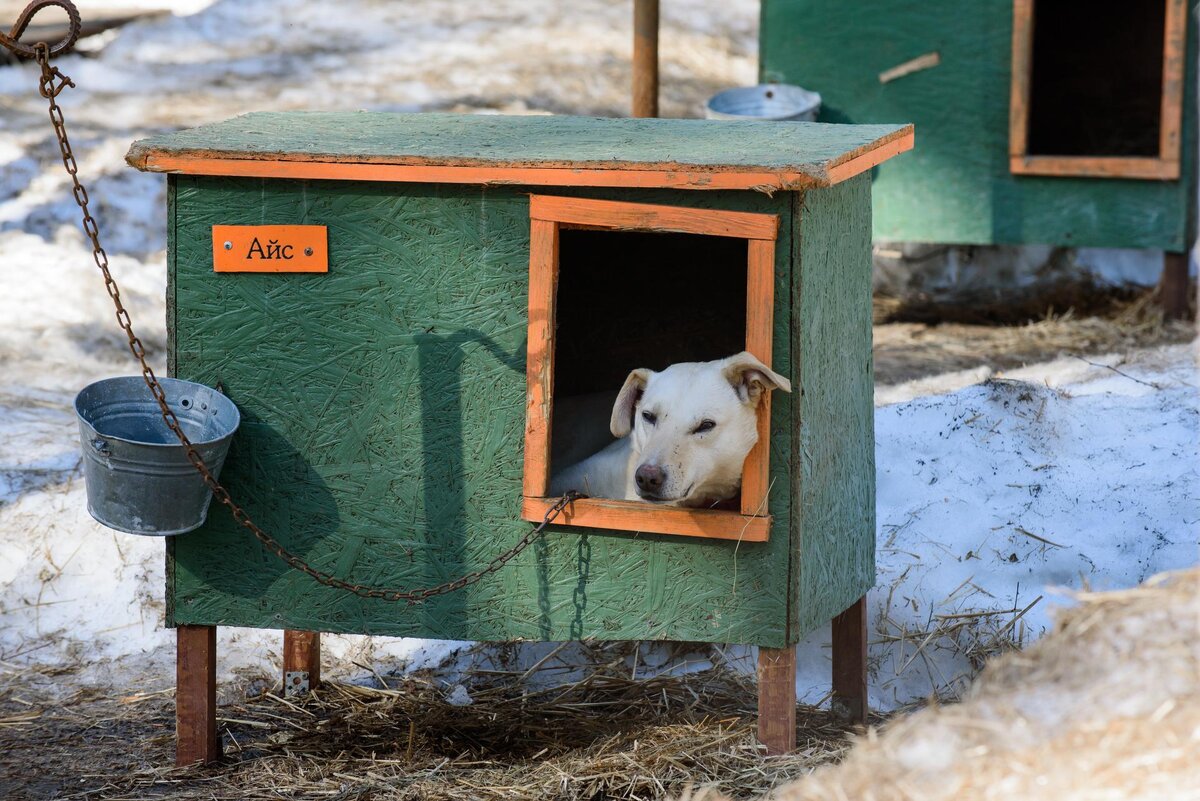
(74, 26)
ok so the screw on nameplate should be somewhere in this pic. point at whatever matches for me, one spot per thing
(295, 683)
(270, 249)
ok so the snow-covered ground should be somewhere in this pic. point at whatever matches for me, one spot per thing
(991, 495)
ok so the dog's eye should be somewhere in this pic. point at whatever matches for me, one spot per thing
(706, 425)
(650, 417)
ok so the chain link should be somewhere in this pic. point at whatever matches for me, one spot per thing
(52, 82)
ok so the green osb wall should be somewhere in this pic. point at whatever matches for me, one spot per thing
(834, 476)
(383, 425)
(955, 186)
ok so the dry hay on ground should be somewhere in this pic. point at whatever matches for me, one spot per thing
(605, 736)
(944, 339)
(1107, 707)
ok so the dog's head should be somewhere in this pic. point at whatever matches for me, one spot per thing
(692, 425)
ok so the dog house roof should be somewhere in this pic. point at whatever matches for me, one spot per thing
(530, 150)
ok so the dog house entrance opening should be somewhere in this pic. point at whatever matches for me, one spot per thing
(629, 300)
(619, 291)
(1096, 80)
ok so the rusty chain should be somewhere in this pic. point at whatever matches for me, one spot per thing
(51, 83)
(74, 26)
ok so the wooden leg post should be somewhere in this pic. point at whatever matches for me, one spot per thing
(645, 58)
(301, 662)
(196, 695)
(850, 663)
(777, 699)
(1173, 286)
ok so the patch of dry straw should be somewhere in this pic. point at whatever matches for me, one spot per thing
(602, 736)
(1106, 708)
(911, 346)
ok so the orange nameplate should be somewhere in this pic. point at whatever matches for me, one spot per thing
(270, 249)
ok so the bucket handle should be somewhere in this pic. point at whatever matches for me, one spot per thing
(100, 446)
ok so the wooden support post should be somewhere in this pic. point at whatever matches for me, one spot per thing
(850, 663)
(301, 661)
(196, 695)
(1173, 286)
(645, 58)
(777, 699)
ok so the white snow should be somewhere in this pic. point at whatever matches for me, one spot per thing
(991, 495)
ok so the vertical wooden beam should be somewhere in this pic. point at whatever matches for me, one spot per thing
(760, 325)
(539, 359)
(196, 695)
(850, 663)
(301, 661)
(1022, 66)
(1173, 286)
(645, 58)
(777, 699)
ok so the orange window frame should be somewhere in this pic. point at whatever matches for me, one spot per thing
(1163, 167)
(548, 216)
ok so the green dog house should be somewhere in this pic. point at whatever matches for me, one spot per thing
(1060, 123)
(397, 302)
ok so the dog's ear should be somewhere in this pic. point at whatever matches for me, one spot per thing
(622, 413)
(750, 378)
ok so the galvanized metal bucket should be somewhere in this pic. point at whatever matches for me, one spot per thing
(767, 101)
(139, 479)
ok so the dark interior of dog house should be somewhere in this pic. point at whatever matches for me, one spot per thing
(1096, 78)
(632, 299)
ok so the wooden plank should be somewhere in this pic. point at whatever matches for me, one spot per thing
(760, 326)
(1022, 69)
(1174, 287)
(777, 699)
(1173, 81)
(850, 662)
(539, 362)
(1096, 167)
(870, 159)
(196, 695)
(645, 58)
(486, 176)
(301, 661)
(586, 144)
(622, 216)
(643, 518)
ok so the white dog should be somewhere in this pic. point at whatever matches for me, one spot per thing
(682, 434)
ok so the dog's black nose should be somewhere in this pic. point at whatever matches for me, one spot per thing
(649, 478)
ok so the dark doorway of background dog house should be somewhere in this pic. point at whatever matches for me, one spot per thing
(1096, 78)
(628, 300)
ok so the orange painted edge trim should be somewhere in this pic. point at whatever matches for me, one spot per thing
(894, 146)
(624, 216)
(760, 321)
(491, 176)
(1022, 67)
(1095, 167)
(1170, 140)
(293, 237)
(632, 516)
(539, 361)
(675, 177)
(1165, 168)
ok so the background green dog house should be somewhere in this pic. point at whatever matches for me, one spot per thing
(384, 402)
(1060, 123)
